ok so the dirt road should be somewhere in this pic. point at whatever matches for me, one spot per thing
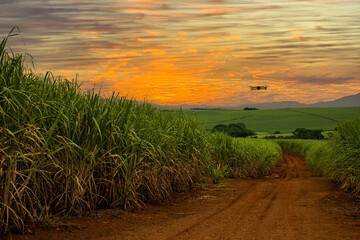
(291, 204)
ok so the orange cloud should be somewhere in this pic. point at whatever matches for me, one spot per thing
(233, 38)
(92, 35)
(163, 82)
(154, 51)
(209, 39)
(125, 54)
(298, 36)
(138, 40)
(110, 73)
(245, 48)
(242, 56)
(153, 34)
(135, 10)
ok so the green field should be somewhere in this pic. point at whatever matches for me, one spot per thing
(284, 120)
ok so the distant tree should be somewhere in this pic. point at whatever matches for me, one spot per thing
(220, 128)
(277, 132)
(250, 108)
(237, 125)
(302, 133)
(205, 108)
(234, 130)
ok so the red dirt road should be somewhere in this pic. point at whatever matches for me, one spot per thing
(291, 204)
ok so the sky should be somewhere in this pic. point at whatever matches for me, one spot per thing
(203, 52)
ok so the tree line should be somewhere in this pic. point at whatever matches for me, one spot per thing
(239, 130)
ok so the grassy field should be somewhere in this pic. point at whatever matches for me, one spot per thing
(283, 120)
(64, 151)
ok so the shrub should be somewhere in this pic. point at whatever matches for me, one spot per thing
(234, 130)
(302, 133)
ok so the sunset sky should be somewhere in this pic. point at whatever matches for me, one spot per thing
(195, 52)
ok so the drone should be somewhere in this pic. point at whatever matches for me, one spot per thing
(258, 88)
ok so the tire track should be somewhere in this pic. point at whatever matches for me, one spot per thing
(266, 209)
(202, 221)
(258, 212)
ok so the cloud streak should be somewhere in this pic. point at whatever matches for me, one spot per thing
(195, 52)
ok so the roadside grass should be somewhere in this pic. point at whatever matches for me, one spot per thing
(297, 146)
(337, 158)
(245, 157)
(64, 151)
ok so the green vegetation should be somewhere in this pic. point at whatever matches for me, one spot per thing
(297, 146)
(245, 157)
(250, 108)
(284, 120)
(302, 133)
(337, 158)
(218, 172)
(205, 108)
(233, 130)
(64, 151)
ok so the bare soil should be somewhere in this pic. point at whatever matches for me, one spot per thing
(290, 204)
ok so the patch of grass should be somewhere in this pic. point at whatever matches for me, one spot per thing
(245, 157)
(217, 172)
(297, 146)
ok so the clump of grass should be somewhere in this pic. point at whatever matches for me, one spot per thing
(246, 158)
(217, 172)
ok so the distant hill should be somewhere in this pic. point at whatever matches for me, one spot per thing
(348, 101)
(273, 105)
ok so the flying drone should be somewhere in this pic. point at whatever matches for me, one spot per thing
(258, 88)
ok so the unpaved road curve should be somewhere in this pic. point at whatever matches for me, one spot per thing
(291, 204)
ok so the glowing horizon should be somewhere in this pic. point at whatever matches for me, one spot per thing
(195, 52)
